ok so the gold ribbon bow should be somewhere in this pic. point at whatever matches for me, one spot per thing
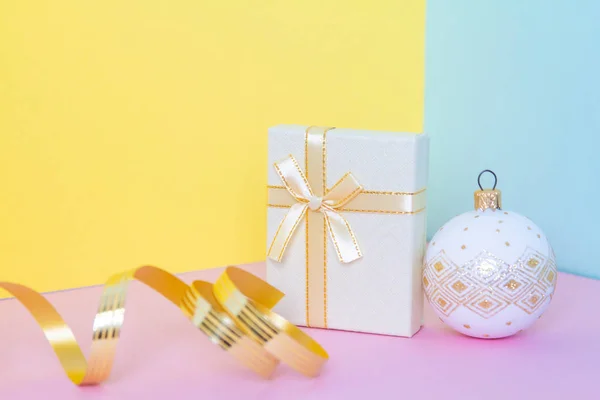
(234, 313)
(303, 192)
(339, 229)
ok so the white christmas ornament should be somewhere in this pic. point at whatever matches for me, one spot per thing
(489, 273)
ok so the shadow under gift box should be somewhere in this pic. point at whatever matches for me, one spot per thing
(380, 292)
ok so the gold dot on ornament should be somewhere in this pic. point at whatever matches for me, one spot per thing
(539, 236)
(467, 326)
(508, 323)
(507, 244)
(528, 228)
(497, 230)
(466, 229)
(486, 335)
(463, 247)
(500, 221)
(433, 244)
(505, 213)
(477, 216)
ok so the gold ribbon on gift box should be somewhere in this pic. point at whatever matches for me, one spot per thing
(235, 313)
(321, 209)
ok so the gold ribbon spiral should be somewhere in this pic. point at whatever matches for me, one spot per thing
(248, 300)
(258, 341)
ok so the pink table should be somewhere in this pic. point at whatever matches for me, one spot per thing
(559, 358)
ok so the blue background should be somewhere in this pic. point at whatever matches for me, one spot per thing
(514, 86)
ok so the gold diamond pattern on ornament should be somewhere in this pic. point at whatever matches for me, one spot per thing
(547, 275)
(487, 285)
(486, 305)
(441, 267)
(531, 300)
(442, 303)
(534, 299)
(429, 282)
(532, 263)
(458, 286)
(550, 277)
(513, 285)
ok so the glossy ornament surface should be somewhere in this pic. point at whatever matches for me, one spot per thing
(489, 273)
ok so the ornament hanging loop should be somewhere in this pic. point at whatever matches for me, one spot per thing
(487, 198)
(483, 172)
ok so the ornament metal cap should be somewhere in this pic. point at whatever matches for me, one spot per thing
(488, 198)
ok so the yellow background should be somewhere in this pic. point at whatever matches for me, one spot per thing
(134, 132)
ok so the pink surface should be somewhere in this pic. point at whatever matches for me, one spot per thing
(161, 354)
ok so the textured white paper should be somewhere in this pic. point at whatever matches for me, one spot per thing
(381, 292)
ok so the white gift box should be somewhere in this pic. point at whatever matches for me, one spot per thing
(381, 230)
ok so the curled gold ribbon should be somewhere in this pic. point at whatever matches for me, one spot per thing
(199, 302)
(249, 300)
(210, 317)
(107, 323)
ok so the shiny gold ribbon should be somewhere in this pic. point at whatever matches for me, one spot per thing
(199, 302)
(308, 192)
(249, 300)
